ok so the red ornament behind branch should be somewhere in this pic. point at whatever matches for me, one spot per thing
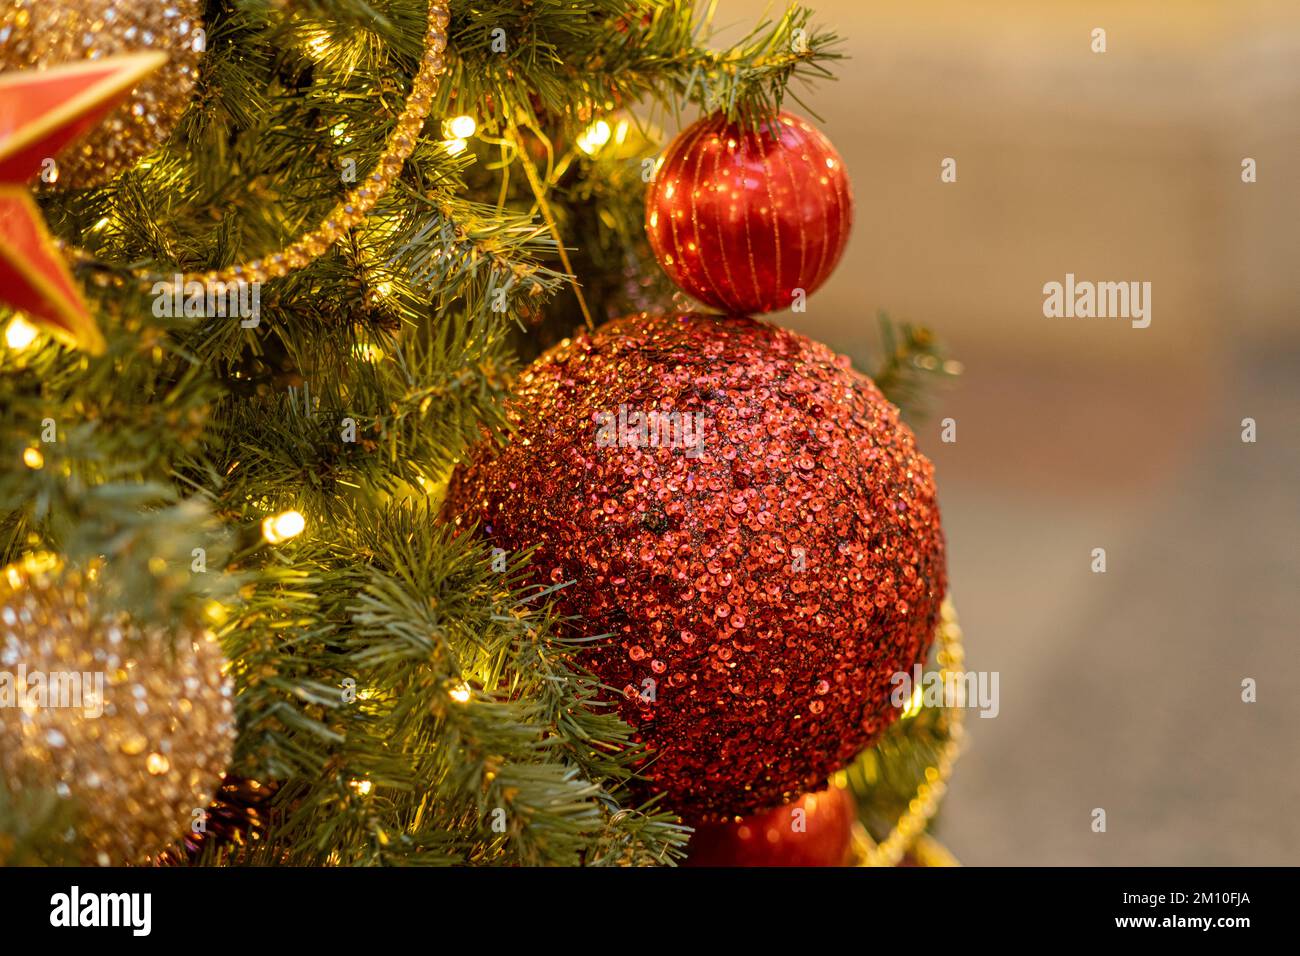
(815, 830)
(749, 219)
(749, 520)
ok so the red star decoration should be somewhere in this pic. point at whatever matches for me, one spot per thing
(41, 111)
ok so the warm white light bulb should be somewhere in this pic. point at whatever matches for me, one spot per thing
(20, 334)
(318, 46)
(459, 127)
(594, 137)
(277, 529)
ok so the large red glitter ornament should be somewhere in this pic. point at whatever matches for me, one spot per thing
(742, 217)
(749, 520)
(815, 830)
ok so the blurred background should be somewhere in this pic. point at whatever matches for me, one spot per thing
(1119, 690)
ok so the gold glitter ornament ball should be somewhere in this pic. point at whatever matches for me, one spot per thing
(136, 733)
(46, 33)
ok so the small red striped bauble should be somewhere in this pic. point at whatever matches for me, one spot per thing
(749, 218)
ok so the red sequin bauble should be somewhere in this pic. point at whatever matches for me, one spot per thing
(815, 830)
(764, 549)
(742, 216)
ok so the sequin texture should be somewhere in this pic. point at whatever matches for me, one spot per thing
(761, 585)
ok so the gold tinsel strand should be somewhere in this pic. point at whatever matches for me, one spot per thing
(45, 33)
(141, 731)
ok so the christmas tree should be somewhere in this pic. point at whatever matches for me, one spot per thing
(372, 491)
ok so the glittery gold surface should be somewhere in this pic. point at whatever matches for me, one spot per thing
(761, 592)
(156, 753)
(45, 33)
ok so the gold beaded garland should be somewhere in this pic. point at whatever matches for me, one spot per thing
(136, 732)
(910, 828)
(358, 201)
(44, 33)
